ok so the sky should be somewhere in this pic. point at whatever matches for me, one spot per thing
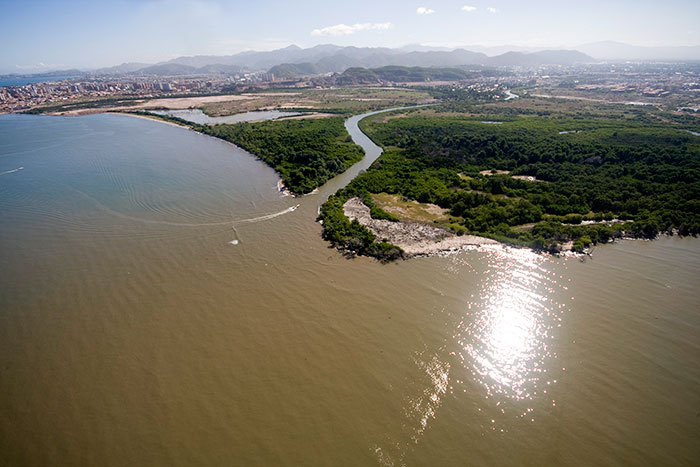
(46, 35)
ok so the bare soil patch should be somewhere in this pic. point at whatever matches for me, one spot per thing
(414, 238)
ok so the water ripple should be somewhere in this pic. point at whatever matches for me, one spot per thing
(505, 339)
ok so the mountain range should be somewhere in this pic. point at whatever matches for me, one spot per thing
(294, 61)
(611, 50)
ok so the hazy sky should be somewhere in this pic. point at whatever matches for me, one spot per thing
(50, 34)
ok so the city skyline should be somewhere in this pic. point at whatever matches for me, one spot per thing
(80, 34)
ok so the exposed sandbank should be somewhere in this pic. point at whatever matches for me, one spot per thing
(414, 238)
(153, 119)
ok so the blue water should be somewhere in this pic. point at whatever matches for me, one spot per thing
(22, 80)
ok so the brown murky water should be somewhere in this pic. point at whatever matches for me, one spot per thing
(133, 332)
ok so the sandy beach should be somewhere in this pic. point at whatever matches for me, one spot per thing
(180, 103)
(175, 103)
(153, 119)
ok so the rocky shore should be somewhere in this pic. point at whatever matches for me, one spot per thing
(414, 238)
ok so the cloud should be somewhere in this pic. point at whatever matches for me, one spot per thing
(344, 29)
(492, 10)
(468, 8)
(424, 11)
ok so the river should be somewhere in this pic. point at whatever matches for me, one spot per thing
(133, 332)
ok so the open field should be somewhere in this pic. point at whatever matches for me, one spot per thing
(561, 109)
(339, 100)
(410, 210)
(326, 101)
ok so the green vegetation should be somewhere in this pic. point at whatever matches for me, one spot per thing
(404, 74)
(603, 179)
(400, 74)
(292, 144)
(166, 118)
(306, 152)
(294, 70)
(351, 235)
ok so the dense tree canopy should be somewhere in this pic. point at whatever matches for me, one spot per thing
(587, 172)
(306, 152)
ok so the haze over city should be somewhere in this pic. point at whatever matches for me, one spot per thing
(45, 36)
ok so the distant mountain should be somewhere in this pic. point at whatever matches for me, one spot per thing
(562, 57)
(294, 61)
(492, 51)
(336, 63)
(329, 58)
(545, 57)
(442, 59)
(171, 69)
(398, 74)
(437, 60)
(424, 48)
(352, 57)
(177, 69)
(219, 69)
(261, 60)
(610, 50)
(359, 75)
(294, 70)
(121, 69)
(46, 74)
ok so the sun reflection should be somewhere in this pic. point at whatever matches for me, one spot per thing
(505, 340)
(421, 407)
(426, 405)
(504, 343)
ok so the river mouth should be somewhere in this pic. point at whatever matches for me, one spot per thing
(132, 327)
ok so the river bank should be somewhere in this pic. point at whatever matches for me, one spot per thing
(154, 118)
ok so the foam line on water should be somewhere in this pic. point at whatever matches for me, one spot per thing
(185, 224)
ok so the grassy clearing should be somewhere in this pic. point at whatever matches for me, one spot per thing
(410, 210)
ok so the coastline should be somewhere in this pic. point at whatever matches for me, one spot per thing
(414, 238)
(418, 239)
(153, 119)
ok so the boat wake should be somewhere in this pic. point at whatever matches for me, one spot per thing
(12, 171)
(267, 217)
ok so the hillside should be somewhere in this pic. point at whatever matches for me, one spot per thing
(293, 70)
(295, 61)
(355, 76)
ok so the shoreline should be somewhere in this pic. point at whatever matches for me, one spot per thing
(281, 188)
(414, 238)
(153, 119)
(423, 240)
